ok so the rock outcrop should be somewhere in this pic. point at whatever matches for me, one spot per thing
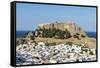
(71, 27)
(59, 33)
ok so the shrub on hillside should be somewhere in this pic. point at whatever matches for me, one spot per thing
(56, 33)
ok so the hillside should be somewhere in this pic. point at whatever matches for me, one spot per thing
(57, 33)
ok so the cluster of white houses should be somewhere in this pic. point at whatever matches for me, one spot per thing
(43, 54)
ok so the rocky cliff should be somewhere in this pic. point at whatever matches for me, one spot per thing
(71, 27)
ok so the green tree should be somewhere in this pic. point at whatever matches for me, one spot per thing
(60, 34)
(45, 33)
(67, 34)
(77, 33)
(31, 37)
(83, 36)
(76, 36)
(52, 32)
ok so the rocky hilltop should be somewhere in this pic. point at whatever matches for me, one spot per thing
(71, 27)
(57, 33)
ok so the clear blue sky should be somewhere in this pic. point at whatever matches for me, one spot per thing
(28, 16)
